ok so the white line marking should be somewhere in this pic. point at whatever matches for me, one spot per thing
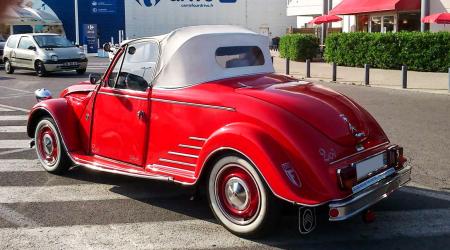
(15, 151)
(80, 192)
(199, 234)
(441, 195)
(14, 108)
(14, 144)
(13, 129)
(15, 96)
(5, 109)
(20, 165)
(14, 118)
(18, 90)
(16, 218)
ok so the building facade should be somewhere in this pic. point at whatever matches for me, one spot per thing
(377, 16)
(121, 19)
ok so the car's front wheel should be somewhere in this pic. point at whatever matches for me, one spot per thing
(240, 199)
(40, 69)
(49, 147)
(8, 67)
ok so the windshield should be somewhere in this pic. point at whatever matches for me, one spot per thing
(46, 41)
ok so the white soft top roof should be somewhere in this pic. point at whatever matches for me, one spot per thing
(188, 55)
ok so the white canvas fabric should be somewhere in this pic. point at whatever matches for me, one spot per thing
(188, 55)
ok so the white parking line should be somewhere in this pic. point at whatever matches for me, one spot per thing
(14, 108)
(18, 90)
(199, 234)
(14, 151)
(5, 109)
(13, 129)
(13, 118)
(12, 144)
(80, 192)
(20, 165)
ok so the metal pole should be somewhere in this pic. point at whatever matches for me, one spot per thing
(367, 78)
(323, 33)
(271, 59)
(425, 11)
(404, 76)
(449, 80)
(334, 72)
(308, 68)
(288, 64)
(77, 24)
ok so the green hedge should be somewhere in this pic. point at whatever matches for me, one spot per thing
(299, 47)
(419, 51)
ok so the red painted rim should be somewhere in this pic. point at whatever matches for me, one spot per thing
(47, 146)
(237, 174)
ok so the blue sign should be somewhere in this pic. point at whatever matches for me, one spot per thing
(90, 37)
(104, 6)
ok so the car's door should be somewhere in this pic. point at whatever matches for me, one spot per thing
(25, 52)
(121, 111)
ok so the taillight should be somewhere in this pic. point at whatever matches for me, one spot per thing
(347, 177)
(401, 159)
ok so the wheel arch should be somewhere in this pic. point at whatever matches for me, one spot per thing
(256, 146)
(66, 122)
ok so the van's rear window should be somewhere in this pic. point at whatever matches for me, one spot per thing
(239, 56)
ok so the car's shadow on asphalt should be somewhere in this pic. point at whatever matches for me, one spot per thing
(402, 215)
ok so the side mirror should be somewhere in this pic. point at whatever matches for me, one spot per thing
(107, 47)
(42, 94)
(32, 48)
(94, 78)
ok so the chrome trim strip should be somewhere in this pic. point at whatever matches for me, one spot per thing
(171, 170)
(357, 153)
(178, 162)
(193, 104)
(369, 182)
(182, 154)
(189, 146)
(197, 139)
(124, 96)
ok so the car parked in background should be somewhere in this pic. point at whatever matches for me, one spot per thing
(202, 106)
(43, 53)
(2, 46)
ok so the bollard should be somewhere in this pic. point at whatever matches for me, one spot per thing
(334, 72)
(288, 64)
(271, 59)
(405, 76)
(367, 71)
(308, 68)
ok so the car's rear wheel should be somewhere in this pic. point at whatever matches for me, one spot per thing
(81, 71)
(9, 69)
(49, 147)
(40, 69)
(240, 199)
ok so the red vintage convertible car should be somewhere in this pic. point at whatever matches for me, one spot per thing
(202, 106)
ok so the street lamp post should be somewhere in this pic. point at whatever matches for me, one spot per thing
(425, 11)
(77, 25)
(323, 33)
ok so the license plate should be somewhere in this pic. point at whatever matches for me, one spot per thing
(370, 165)
(70, 64)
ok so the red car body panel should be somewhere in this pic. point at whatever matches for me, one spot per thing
(270, 119)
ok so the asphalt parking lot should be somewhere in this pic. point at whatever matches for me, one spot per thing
(87, 209)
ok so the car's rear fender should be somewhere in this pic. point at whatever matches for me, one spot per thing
(61, 112)
(263, 151)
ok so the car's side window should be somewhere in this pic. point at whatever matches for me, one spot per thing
(111, 81)
(138, 66)
(12, 42)
(25, 43)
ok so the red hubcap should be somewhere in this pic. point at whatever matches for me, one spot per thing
(47, 145)
(237, 194)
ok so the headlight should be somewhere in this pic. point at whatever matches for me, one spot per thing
(54, 58)
(82, 56)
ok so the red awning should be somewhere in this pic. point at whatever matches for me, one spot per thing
(440, 18)
(325, 19)
(351, 7)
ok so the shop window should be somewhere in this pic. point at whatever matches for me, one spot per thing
(388, 24)
(362, 24)
(375, 24)
(409, 22)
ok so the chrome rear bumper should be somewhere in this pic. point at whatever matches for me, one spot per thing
(370, 195)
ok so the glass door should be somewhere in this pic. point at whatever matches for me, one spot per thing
(384, 23)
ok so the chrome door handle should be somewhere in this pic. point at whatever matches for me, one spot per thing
(140, 114)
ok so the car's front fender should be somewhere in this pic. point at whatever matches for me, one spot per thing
(66, 121)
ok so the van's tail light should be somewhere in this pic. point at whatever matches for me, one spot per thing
(347, 177)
